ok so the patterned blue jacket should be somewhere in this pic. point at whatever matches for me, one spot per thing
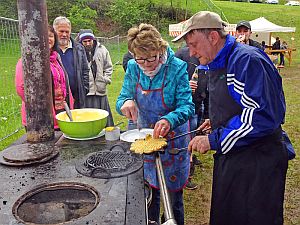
(255, 84)
(177, 93)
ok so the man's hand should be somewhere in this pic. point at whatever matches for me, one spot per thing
(161, 129)
(205, 126)
(130, 110)
(199, 144)
(241, 38)
(193, 85)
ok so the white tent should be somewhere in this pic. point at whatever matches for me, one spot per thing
(261, 24)
(262, 29)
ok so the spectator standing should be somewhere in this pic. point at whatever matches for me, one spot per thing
(60, 83)
(74, 60)
(199, 90)
(263, 45)
(156, 93)
(276, 46)
(101, 69)
(283, 46)
(246, 114)
(243, 33)
(127, 56)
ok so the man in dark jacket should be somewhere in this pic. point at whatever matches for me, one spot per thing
(243, 33)
(74, 60)
(200, 92)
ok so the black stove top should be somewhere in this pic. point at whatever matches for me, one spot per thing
(122, 199)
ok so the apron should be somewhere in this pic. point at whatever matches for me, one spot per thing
(152, 107)
(217, 86)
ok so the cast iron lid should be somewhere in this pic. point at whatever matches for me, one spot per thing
(117, 161)
(26, 154)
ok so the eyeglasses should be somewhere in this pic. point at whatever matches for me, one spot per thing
(142, 61)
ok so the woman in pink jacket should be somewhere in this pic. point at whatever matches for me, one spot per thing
(60, 83)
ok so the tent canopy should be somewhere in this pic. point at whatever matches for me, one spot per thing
(261, 24)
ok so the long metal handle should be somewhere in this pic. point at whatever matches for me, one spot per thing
(190, 132)
(168, 213)
(68, 111)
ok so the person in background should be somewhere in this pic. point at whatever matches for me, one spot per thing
(263, 45)
(101, 69)
(156, 94)
(74, 60)
(198, 99)
(243, 33)
(276, 46)
(60, 83)
(127, 56)
(246, 114)
(284, 46)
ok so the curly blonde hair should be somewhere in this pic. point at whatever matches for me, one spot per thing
(145, 38)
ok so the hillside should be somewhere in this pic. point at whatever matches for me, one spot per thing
(236, 11)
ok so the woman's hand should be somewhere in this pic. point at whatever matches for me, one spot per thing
(161, 129)
(130, 110)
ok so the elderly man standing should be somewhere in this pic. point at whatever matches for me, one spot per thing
(246, 110)
(101, 69)
(74, 60)
(243, 33)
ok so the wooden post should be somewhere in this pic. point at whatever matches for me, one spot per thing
(33, 28)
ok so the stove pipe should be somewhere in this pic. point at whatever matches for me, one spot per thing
(33, 29)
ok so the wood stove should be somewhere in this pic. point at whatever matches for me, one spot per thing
(118, 199)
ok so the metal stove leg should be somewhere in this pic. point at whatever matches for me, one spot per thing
(168, 213)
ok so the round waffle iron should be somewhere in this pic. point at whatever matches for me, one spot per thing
(26, 154)
(109, 163)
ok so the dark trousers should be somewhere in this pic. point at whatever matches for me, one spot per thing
(248, 184)
(281, 59)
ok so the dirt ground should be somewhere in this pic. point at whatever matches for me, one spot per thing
(197, 202)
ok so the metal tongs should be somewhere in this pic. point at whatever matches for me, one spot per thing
(196, 132)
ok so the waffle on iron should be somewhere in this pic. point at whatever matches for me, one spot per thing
(148, 145)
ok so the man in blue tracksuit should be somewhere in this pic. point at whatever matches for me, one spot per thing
(246, 110)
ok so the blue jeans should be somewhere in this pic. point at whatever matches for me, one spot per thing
(193, 122)
(176, 202)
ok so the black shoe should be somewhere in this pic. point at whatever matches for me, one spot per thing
(190, 185)
(196, 161)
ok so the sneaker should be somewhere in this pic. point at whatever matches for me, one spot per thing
(196, 161)
(190, 185)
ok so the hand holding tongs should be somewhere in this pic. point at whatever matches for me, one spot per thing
(197, 132)
(175, 151)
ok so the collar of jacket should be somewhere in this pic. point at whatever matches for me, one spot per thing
(220, 60)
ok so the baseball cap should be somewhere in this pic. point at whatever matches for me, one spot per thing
(243, 23)
(201, 20)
